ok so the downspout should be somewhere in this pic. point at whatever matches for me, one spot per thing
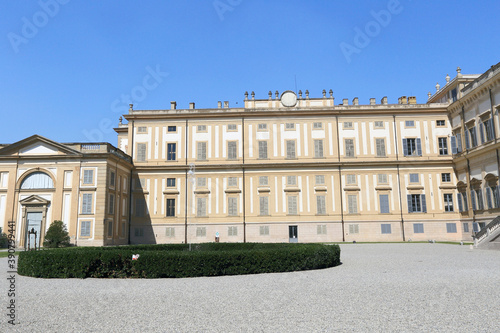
(186, 191)
(14, 202)
(78, 204)
(399, 176)
(130, 183)
(340, 181)
(468, 189)
(243, 169)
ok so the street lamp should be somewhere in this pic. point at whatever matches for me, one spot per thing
(191, 180)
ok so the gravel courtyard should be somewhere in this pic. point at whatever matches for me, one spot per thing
(379, 287)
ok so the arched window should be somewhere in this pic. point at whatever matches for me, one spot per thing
(37, 180)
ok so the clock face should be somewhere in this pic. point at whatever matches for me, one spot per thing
(288, 98)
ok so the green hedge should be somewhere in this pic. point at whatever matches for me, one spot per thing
(175, 260)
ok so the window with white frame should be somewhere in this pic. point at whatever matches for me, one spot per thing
(171, 207)
(85, 228)
(170, 232)
(320, 205)
(440, 123)
(262, 127)
(317, 125)
(384, 203)
(88, 177)
(263, 181)
(290, 126)
(320, 179)
(379, 124)
(318, 148)
(382, 178)
(232, 206)
(171, 151)
(350, 179)
(321, 229)
(201, 181)
(170, 182)
(348, 124)
(414, 178)
(201, 128)
(141, 152)
(352, 201)
(87, 203)
(264, 230)
(232, 231)
(172, 128)
(202, 151)
(291, 180)
(446, 177)
(232, 127)
(448, 202)
(349, 147)
(416, 203)
(412, 147)
(443, 146)
(292, 205)
(354, 228)
(231, 150)
(262, 149)
(290, 149)
(264, 205)
(142, 129)
(380, 145)
(201, 232)
(232, 181)
(409, 123)
(201, 207)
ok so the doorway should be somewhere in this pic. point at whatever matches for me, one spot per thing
(293, 235)
(33, 221)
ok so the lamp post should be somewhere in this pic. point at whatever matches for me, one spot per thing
(191, 180)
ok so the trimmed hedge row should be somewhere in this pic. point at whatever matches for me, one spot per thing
(175, 260)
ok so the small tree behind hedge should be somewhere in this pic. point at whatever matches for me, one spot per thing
(57, 235)
(4, 241)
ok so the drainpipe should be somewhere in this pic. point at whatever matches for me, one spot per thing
(340, 181)
(186, 191)
(243, 169)
(399, 176)
(131, 197)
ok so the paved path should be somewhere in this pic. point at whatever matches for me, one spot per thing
(379, 287)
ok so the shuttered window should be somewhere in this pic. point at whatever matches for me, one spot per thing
(232, 206)
(318, 148)
(380, 143)
(264, 205)
(141, 152)
(262, 149)
(290, 149)
(321, 205)
(292, 205)
(87, 203)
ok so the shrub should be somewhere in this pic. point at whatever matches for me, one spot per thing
(174, 261)
(57, 235)
(4, 241)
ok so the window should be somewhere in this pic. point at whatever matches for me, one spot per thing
(318, 148)
(384, 203)
(110, 228)
(140, 207)
(291, 180)
(454, 95)
(202, 151)
(112, 179)
(350, 179)
(141, 152)
(443, 146)
(232, 231)
(202, 128)
(171, 207)
(142, 129)
(463, 196)
(290, 149)
(479, 195)
(321, 229)
(85, 229)
(451, 228)
(354, 228)
(466, 227)
(292, 205)
(440, 123)
(171, 150)
(231, 150)
(201, 232)
(347, 124)
(382, 178)
(172, 128)
(262, 149)
(352, 201)
(140, 183)
(138, 232)
(231, 127)
(87, 203)
(232, 206)
(88, 177)
(448, 202)
(264, 205)
(232, 181)
(380, 144)
(262, 127)
(290, 126)
(412, 147)
(263, 181)
(201, 207)
(492, 196)
(317, 125)
(446, 177)
(201, 181)
(456, 143)
(385, 228)
(170, 182)
(473, 137)
(111, 207)
(320, 205)
(418, 228)
(410, 123)
(349, 147)
(320, 180)
(488, 129)
(379, 124)
(170, 232)
(264, 230)
(414, 178)
(416, 203)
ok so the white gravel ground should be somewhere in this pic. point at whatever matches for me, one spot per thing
(379, 287)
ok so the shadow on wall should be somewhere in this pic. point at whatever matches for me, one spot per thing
(141, 227)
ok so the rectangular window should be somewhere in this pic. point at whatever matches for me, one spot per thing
(201, 207)
(443, 146)
(473, 136)
(170, 182)
(111, 207)
(349, 147)
(379, 124)
(290, 149)
(202, 151)
(142, 129)
(466, 227)
(171, 151)
(140, 183)
(321, 229)
(416, 203)
(88, 177)
(264, 230)
(440, 123)
(291, 180)
(290, 126)
(350, 179)
(231, 150)
(201, 181)
(488, 128)
(171, 207)
(112, 179)
(141, 152)
(202, 128)
(320, 180)
(479, 195)
(140, 207)
(85, 228)
(412, 147)
(410, 123)
(446, 177)
(263, 181)
(385, 228)
(232, 181)
(170, 232)
(172, 128)
(232, 206)
(321, 205)
(201, 232)
(354, 228)
(232, 231)
(380, 144)
(352, 201)
(418, 228)
(451, 228)
(87, 203)
(317, 125)
(347, 124)
(292, 205)
(384, 203)
(231, 127)
(264, 205)
(262, 127)
(414, 178)
(454, 95)
(448, 202)
(138, 232)
(382, 178)
(318, 148)
(262, 149)
(110, 228)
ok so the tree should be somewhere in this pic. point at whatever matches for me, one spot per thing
(57, 235)
(4, 241)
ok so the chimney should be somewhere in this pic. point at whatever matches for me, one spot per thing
(173, 105)
(226, 104)
(384, 100)
(412, 100)
(191, 105)
(372, 101)
(219, 104)
(345, 101)
(402, 100)
(355, 101)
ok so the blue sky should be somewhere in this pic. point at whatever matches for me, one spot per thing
(70, 68)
